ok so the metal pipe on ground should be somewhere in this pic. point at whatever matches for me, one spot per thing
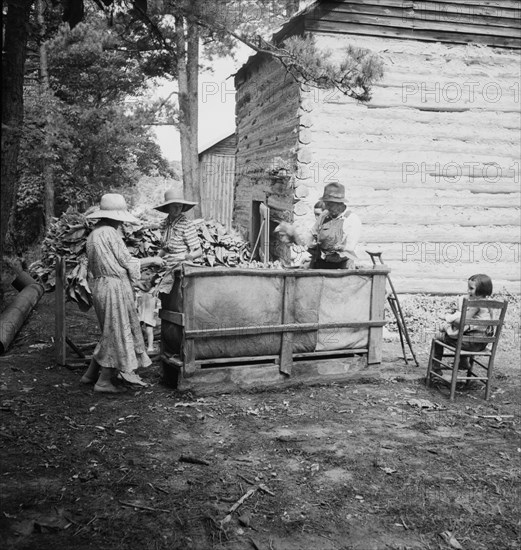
(14, 316)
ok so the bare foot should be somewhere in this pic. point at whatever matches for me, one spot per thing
(87, 380)
(108, 388)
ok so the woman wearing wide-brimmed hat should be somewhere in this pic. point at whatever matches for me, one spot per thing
(180, 242)
(336, 232)
(111, 268)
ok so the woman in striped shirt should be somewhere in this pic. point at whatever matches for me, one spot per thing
(180, 242)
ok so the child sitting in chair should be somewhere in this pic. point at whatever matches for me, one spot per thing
(479, 288)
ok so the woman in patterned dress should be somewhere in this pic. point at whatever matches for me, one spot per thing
(121, 349)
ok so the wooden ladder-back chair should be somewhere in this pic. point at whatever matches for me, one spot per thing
(483, 359)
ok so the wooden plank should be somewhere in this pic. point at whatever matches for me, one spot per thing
(188, 344)
(467, 4)
(500, 4)
(244, 361)
(60, 330)
(413, 20)
(174, 317)
(288, 318)
(216, 178)
(396, 32)
(230, 361)
(409, 16)
(269, 329)
(190, 271)
(376, 314)
(227, 379)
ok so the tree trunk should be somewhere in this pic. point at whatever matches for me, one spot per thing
(47, 169)
(187, 46)
(13, 66)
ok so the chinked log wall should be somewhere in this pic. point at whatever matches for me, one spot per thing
(266, 109)
(431, 163)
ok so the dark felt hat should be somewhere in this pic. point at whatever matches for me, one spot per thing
(334, 192)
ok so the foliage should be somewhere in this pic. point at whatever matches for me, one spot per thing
(89, 66)
(84, 128)
(353, 75)
(67, 237)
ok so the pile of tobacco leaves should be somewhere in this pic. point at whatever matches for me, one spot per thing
(67, 237)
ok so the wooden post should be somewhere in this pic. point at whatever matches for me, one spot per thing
(188, 344)
(59, 300)
(376, 313)
(288, 316)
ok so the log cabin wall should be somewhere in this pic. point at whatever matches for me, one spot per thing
(431, 163)
(267, 104)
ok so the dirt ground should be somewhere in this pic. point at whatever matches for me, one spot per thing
(360, 465)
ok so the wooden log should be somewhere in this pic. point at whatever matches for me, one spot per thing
(438, 215)
(444, 270)
(402, 159)
(384, 233)
(472, 253)
(417, 146)
(360, 197)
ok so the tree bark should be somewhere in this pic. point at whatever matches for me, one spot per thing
(187, 46)
(47, 169)
(13, 65)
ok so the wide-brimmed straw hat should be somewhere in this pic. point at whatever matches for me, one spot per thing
(174, 196)
(334, 192)
(113, 207)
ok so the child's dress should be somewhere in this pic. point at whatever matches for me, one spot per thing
(451, 331)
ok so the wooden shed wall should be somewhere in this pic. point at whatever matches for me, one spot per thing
(267, 103)
(216, 177)
(488, 22)
(431, 164)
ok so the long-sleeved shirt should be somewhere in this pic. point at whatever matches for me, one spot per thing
(338, 235)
